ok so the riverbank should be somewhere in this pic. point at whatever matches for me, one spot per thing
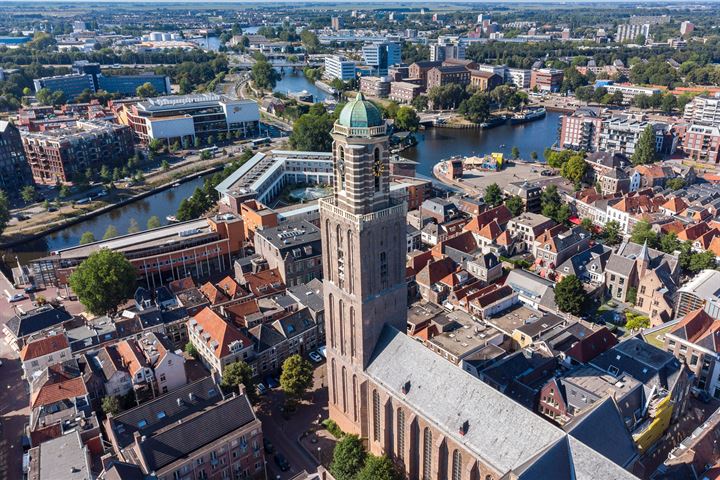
(53, 227)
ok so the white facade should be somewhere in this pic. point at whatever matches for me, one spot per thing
(337, 67)
(518, 77)
(629, 91)
(705, 110)
(170, 127)
(629, 32)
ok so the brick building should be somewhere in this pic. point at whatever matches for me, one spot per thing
(546, 79)
(63, 154)
(439, 76)
(485, 81)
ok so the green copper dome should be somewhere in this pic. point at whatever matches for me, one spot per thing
(360, 113)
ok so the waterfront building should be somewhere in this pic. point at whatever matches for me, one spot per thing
(379, 56)
(581, 129)
(418, 71)
(546, 79)
(485, 81)
(375, 86)
(180, 117)
(265, 175)
(620, 134)
(439, 76)
(629, 32)
(519, 77)
(198, 247)
(379, 386)
(629, 92)
(338, 67)
(60, 155)
(703, 109)
(14, 169)
(404, 92)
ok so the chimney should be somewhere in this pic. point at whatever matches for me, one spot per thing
(464, 428)
(405, 388)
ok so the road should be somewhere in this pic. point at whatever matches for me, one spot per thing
(284, 432)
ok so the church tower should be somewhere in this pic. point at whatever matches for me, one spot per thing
(363, 238)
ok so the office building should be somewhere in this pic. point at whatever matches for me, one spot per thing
(629, 32)
(71, 85)
(375, 86)
(440, 53)
(518, 77)
(686, 28)
(128, 84)
(404, 92)
(418, 71)
(546, 79)
(60, 155)
(629, 92)
(380, 56)
(181, 117)
(87, 76)
(337, 67)
(14, 169)
(703, 109)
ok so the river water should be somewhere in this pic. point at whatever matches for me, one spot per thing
(434, 144)
(295, 81)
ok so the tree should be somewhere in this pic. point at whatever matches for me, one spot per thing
(407, 118)
(264, 75)
(645, 149)
(569, 295)
(493, 195)
(515, 205)
(197, 143)
(476, 108)
(379, 468)
(631, 296)
(702, 261)
(669, 103)
(348, 458)
(87, 237)
(110, 232)
(574, 169)
(587, 224)
(191, 350)
(239, 373)
(669, 243)
(165, 165)
(296, 377)
(155, 145)
(611, 233)
(642, 232)
(153, 222)
(420, 103)
(552, 205)
(111, 405)
(311, 132)
(133, 227)
(534, 155)
(146, 90)
(28, 193)
(103, 281)
(515, 152)
(675, 183)
(636, 322)
(105, 173)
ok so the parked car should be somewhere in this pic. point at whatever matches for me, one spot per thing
(261, 389)
(31, 289)
(282, 462)
(267, 444)
(322, 351)
(315, 357)
(16, 297)
(271, 382)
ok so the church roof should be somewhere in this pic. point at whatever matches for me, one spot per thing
(360, 113)
(501, 432)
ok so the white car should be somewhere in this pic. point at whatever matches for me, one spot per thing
(315, 357)
(17, 297)
(322, 351)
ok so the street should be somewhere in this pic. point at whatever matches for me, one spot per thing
(284, 432)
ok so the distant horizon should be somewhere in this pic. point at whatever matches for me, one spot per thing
(365, 2)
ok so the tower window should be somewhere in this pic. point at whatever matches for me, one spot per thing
(352, 331)
(383, 270)
(376, 416)
(456, 465)
(344, 389)
(354, 398)
(400, 433)
(378, 169)
(341, 321)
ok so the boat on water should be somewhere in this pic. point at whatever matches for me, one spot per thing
(171, 219)
(528, 116)
(325, 87)
(493, 122)
(176, 184)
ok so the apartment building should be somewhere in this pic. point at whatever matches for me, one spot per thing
(621, 133)
(702, 143)
(337, 67)
(518, 77)
(629, 32)
(629, 92)
(43, 352)
(527, 227)
(404, 92)
(14, 169)
(704, 110)
(61, 155)
(546, 79)
(375, 86)
(294, 249)
(218, 342)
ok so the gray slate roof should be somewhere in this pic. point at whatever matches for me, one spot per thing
(494, 420)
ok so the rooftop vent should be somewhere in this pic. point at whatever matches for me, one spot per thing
(405, 387)
(464, 428)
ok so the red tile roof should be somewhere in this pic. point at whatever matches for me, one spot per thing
(55, 392)
(213, 294)
(43, 346)
(220, 331)
(675, 205)
(229, 286)
(696, 324)
(593, 345)
(181, 285)
(265, 282)
(131, 355)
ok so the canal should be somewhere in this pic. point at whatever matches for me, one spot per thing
(295, 81)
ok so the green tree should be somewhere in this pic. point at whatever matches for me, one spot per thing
(133, 227)
(493, 195)
(103, 281)
(153, 222)
(165, 165)
(675, 183)
(296, 377)
(264, 75)
(611, 233)
(636, 322)
(28, 193)
(515, 153)
(348, 458)
(64, 191)
(587, 224)
(191, 350)
(197, 143)
(569, 295)
(476, 108)
(534, 155)
(110, 405)
(574, 169)
(420, 103)
(515, 205)
(645, 149)
(642, 232)
(407, 118)
(239, 373)
(669, 103)
(702, 261)
(155, 145)
(669, 243)
(110, 232)
(146, 90)
(379, 468)
(105, 173)
(631, 296)
(87, 237)
(311, 132)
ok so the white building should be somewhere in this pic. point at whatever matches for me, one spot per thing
(703, 110)
(337, 67)
(518, 77)
(39, 354)
(630, 91)
(629, 32)
(381, 55)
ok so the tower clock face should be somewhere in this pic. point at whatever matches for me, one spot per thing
(378, 168)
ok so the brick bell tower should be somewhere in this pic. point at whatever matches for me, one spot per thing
(363, 238)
